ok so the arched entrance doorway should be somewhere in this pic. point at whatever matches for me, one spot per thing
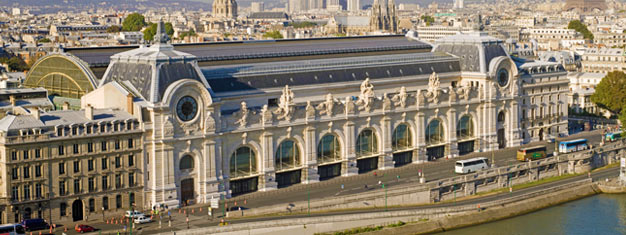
(500, 126)
(186, 191)
(77, 210)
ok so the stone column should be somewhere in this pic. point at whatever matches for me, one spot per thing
(515, 133)
(451, 135)
(348, 167)
(267, 180)
(309, 173)
(385, 161)
(208, 175)
(420, 139)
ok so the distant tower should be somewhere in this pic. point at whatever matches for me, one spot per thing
(458, 4)
(225, 9)
(383, 16)
(354, 5)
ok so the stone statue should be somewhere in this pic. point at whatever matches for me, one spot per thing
(464, 92)
(433, 88)
(326, 107)
(243, 115)
(453, 96)
(400, 98)
(285, 104)
(266, 115)
(209, 123)
(310, 110)
(367, 93)
(349, 105)
(386, 102)
(481, 92)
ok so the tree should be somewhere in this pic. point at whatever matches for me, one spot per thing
(303, 24)
(17, 64)
(44, 40)
(150, 31)
(611, 92)
(273, 34)
(428, 19)
(581, 28)
(134, 22)
(114, 29)
(188, 33)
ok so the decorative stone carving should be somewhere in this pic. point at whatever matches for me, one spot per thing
(386, 102)
(168, 127)
(209, 123)
(266, 115)
(310, 110)
(481, 92)
(464, 92)
(433, 88)
(285, 104)
(453, 96)
(349, 105)
(243, 115)
(326, 107)
(421, 99)
(365, 98)
(400, 98)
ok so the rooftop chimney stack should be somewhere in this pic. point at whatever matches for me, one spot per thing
(129, 104)
(36, 113)
(66, 106)
(89, 112)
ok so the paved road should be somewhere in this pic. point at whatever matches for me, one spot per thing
(398, 177)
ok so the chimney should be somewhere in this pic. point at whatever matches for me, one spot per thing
(129, 104)
(12, 100)
(36, 113)
(89, 112)
(66, 105)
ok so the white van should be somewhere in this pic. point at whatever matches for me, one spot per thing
(471, 165)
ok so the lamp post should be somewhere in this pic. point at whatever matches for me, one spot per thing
(103, 219)
(130, 222)
(308, 193)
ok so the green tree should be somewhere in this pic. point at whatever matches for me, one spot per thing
(114, 29)
(17, 64)
(44, 40)
(581, 28)
(303, 24)
(611, 92)
(188, 33)
(150, 31)
(428, 19)
(134, 22)
(273, 34)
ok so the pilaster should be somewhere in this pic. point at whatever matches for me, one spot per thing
(267, 181)
(348, 167)
(385, 161)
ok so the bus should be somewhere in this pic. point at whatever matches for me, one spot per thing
(471, 165)
(531, 153)
(573, 146)
(613, 136)
(12, 229)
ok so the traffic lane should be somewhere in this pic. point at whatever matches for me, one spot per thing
(435, 170)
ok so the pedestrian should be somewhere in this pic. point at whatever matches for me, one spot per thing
(380, 182)
(365, 186)
(341, 186)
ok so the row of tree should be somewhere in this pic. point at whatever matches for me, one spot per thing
(581, 28)
(137, 22)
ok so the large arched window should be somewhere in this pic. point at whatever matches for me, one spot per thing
(465, 128)
(287, 155)
(186, 163)
(366, 143)
(434, 132)
(328, 149)
(242, 162)
(501, 116)
(401, 138)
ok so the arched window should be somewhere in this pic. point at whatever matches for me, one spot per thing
(366, 143)
(401, 138)
(434, 132)
(242, 162)
(465, 128)
(501, 116)
(186, 163)
(328, 149)
(287, 155)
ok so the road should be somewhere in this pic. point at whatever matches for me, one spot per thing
(398, 177)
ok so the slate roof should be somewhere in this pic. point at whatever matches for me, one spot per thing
(269, 15)
(322, 71)
(470, 48)
(61, 117)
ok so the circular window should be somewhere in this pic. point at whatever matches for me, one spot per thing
(187, 108)
(503, 77)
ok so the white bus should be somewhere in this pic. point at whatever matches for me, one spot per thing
(471, 165)
(12, 229)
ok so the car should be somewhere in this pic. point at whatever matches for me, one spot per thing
(142, 220)
(34, 224)
(133, 214)
(83, 228)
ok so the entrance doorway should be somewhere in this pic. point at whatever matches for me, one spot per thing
(186, 191)
(501, 140)
(242, 186)
(288, 178)
(27, 213)
(367, 164)
(77, 210)
(434, 153)
(329, 171)
(466, 147)
(403, 158)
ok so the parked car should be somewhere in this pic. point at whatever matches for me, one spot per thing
(142, 220)
(34, 224)
(133, 214)
(83, 228)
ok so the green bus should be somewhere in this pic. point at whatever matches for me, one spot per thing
(531, 153)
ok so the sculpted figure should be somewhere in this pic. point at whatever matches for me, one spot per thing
(386, 102)
(326, 107)
(433, 88)
(243, 115)
(266, 115)
(310, 110)
(210, 122)
(367, 93)
(400, 98)
(285, 103)
(349, 105)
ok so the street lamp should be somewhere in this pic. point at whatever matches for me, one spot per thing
(103, 214)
